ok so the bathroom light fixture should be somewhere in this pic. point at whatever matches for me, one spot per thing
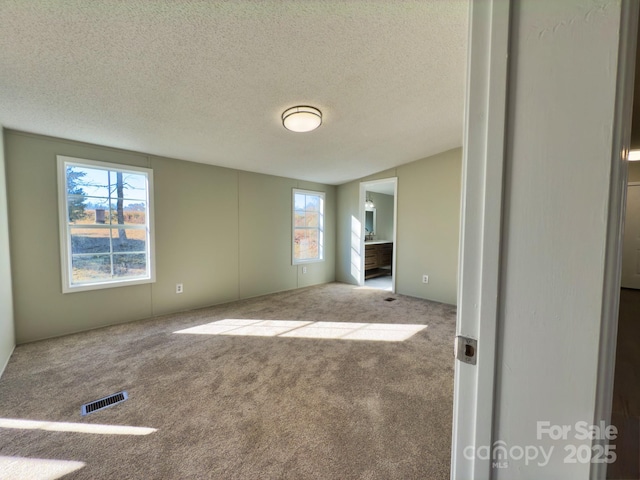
(301, 118)
(369, 203)
(634, 155)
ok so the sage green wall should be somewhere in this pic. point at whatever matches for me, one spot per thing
(348, 234)
(196, 227)
(265, 235)
(428, 226)
(7, 335)
(223, 233)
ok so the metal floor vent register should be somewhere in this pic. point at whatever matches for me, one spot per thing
(103, 403)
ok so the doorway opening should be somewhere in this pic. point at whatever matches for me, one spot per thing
(625, 403)
(625, 410)
(625, 406)
(378, 211)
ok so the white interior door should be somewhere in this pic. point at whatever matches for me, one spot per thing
(631, 239)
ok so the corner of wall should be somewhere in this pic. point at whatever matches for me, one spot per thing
(7, 327)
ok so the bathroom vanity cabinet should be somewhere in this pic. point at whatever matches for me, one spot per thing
(378, 256)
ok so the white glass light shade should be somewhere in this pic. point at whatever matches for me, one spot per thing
(634, 155)
(301, 119)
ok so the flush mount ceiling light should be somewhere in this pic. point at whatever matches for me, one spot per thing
(301, 119)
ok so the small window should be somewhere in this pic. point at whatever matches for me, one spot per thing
(308, 226)
(106, 234)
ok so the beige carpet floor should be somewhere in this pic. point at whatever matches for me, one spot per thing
(232, 406)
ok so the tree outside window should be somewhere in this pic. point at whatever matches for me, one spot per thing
(106, 233)
(308, 226)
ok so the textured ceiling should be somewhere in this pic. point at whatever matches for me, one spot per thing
(207, 80)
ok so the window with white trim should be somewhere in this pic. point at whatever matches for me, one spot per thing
(308, 226)
(106, 224)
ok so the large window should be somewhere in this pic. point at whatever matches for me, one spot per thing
(106, 232)
(308, 226)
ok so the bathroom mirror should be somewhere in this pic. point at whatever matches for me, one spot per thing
(370, 221)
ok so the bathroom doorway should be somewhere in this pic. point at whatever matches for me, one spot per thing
(378, 211)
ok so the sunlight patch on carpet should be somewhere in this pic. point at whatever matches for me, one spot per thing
(37, 468)
(21, 424)
(379, 332)
(367, 287)
(356, 248)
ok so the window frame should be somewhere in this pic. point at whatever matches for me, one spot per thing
(319, 228)
(66, 256)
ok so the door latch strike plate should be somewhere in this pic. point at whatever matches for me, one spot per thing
(466, 349)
